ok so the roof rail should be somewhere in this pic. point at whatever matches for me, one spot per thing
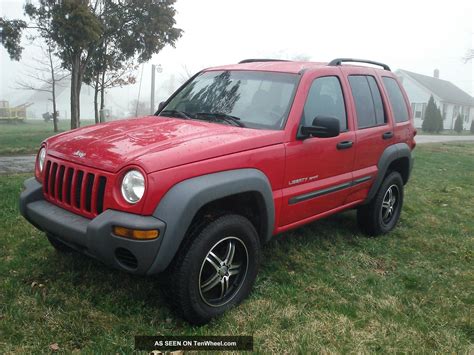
(339, 61)
(262, 60)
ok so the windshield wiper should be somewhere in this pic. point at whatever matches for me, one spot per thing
(224, 117)
(180, 114)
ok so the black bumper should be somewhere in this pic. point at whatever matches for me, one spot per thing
(94, 237)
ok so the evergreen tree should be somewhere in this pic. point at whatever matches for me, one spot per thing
(432, 117)
(439, 120)
(458, 125)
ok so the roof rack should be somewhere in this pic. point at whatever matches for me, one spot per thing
(262, 60)
(339, 61)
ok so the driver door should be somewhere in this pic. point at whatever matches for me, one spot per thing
(318, 172)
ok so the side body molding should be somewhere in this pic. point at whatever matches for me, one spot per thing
(390, 154)
(183, 201)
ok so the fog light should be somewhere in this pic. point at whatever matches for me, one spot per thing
(136, 233)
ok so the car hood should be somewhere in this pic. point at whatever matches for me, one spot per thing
(155, 143)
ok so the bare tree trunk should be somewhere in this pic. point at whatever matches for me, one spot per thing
(96, 99)
(102, 97)
(53, 91)
(75, 91)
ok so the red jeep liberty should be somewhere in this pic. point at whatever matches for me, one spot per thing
(236, 155)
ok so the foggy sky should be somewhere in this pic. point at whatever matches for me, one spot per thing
(414, 35)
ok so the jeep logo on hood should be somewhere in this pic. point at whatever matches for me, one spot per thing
(79, 154)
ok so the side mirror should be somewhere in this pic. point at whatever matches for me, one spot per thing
(161, 105)
(323, 127)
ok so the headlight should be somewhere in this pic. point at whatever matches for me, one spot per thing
(133, 186)
(41, 156)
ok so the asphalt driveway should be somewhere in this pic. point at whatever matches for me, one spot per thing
(26, 163)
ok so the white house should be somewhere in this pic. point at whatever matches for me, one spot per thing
(450, 99)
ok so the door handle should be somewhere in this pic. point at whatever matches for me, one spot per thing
(387, 135)
(344, 145)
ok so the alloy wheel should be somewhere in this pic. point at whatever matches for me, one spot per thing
(223, 271)
(390, 204)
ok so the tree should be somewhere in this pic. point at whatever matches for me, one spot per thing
(433, 120)
(10, 36)
(87, 31)
(133, 30)
(439, 120)
(458, 124)
(139, 108)
(469, 55)
(46, 75)
(69, 26)
(76, 31)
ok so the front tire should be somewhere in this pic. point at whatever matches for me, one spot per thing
(217, 269)
(381, 215)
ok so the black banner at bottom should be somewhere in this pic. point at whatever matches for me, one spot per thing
(160, 342)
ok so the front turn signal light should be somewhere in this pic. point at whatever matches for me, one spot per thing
(136, 233)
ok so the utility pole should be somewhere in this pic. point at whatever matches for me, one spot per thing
(152, 98)
(154, 70)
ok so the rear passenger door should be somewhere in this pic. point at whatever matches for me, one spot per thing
(374, 129)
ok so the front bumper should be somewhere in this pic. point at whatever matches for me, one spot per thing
(94, 237)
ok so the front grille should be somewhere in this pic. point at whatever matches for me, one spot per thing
(77, 189)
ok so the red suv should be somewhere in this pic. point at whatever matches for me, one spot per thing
(236, 155)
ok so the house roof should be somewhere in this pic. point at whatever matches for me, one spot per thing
(443, 89)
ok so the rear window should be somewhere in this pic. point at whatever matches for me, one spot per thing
(399, 107)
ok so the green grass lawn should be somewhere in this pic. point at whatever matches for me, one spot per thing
(25, 138)
(323, 287)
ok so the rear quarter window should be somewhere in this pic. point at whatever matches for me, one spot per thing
(397, 101)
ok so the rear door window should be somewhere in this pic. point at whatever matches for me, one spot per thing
(368, 101)
(397, 101)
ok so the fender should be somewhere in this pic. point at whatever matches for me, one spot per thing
(181, 203)
(390, 154)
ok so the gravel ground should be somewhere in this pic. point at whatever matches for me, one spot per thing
(25, 163)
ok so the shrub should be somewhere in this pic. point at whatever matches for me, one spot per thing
(431, 121)
(458, 125)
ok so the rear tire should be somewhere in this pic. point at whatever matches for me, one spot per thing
(381, 215)
(59, 246)
(216, 270)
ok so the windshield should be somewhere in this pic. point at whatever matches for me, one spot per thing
(252, 99)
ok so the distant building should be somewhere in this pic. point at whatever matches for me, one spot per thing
(42, 103)
(450, 99)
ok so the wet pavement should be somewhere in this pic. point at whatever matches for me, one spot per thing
(17, 164)
(442, 139)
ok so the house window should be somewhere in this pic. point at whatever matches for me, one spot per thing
(418, 110)
(455, 111)
(465, 113)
